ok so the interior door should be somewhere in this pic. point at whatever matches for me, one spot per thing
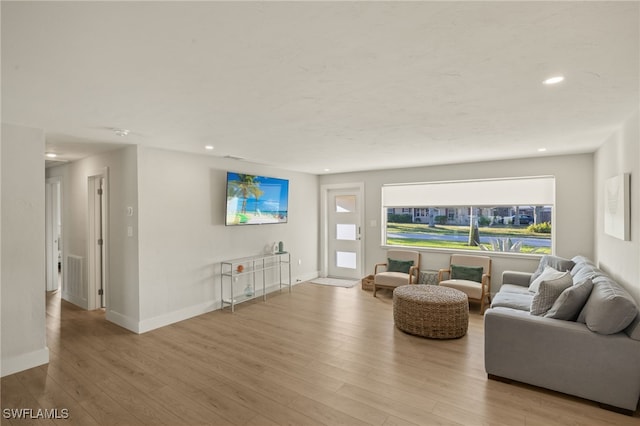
(344, 242)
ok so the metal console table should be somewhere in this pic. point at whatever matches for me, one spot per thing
(252, 267)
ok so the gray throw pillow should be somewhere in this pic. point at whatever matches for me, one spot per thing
(571, 301)
(556, 262)
(609, 309)
(548, 292)
(549, 273)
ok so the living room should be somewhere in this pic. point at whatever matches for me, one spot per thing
(168, 270)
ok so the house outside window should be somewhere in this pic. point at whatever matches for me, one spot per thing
(503, 223)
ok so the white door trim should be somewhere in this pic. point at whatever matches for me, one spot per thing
(53, 209)
(324, 224)
(93, 283)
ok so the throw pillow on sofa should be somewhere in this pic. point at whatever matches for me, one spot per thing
(556, 262)
(609, 309)
(571, 301)
(549, 273)
(548, 292)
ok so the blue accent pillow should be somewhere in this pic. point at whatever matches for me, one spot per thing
(399, 265)
(469, 273)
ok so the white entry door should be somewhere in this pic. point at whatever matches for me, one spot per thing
(343, 210)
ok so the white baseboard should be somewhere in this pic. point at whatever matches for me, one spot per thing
(146, 325)
(83, 303)
(307, 277)
(23, 362)
(177, 316)
(123, 321)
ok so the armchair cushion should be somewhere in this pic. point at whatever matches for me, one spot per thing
(403, 266)
(391, 279)
(472, 289)
(469, 273)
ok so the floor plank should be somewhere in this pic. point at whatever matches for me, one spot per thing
(316, 356)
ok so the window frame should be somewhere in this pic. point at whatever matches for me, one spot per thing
(546, 183)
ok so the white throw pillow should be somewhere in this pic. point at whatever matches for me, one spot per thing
(548, 273)
(548, 291)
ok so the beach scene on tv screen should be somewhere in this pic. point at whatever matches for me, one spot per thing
(254, 200)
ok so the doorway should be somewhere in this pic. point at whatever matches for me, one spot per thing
(342, 243)
(53, 233)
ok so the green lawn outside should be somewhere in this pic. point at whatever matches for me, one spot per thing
(501, 232)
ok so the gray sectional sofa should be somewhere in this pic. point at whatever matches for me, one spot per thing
(584, 339)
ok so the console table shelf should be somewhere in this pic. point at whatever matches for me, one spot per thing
(252, 267)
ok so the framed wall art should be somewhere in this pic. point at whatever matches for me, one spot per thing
(617, 207)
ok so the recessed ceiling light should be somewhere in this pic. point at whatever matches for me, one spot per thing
(209, 147)
(121, 132)
(327, 170)
(51, 155)
(542, 149)
(554, 80)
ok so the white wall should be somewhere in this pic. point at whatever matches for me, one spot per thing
(620, 154)
(183, 238)
(23, 342)
(574, 204)
(122, 251)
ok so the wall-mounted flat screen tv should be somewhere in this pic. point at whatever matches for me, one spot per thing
(256, 200)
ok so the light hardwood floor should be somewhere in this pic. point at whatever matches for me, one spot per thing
(320, 355)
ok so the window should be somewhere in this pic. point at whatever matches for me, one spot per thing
(505, 215)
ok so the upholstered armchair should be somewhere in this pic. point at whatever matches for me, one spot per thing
(401, 268)
(469, 274)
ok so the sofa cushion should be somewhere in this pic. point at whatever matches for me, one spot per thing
(582, 272)
(558, 263)
(581, 260)
(633, 330)
(571, 301)
(549, 290)
(549, 273)
(519, 301)
(514, 288)
(609, 309)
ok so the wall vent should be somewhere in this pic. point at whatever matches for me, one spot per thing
(74, 276)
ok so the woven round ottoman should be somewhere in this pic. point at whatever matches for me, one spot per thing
(431, 311)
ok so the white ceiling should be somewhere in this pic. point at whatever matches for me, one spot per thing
(310, 86)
